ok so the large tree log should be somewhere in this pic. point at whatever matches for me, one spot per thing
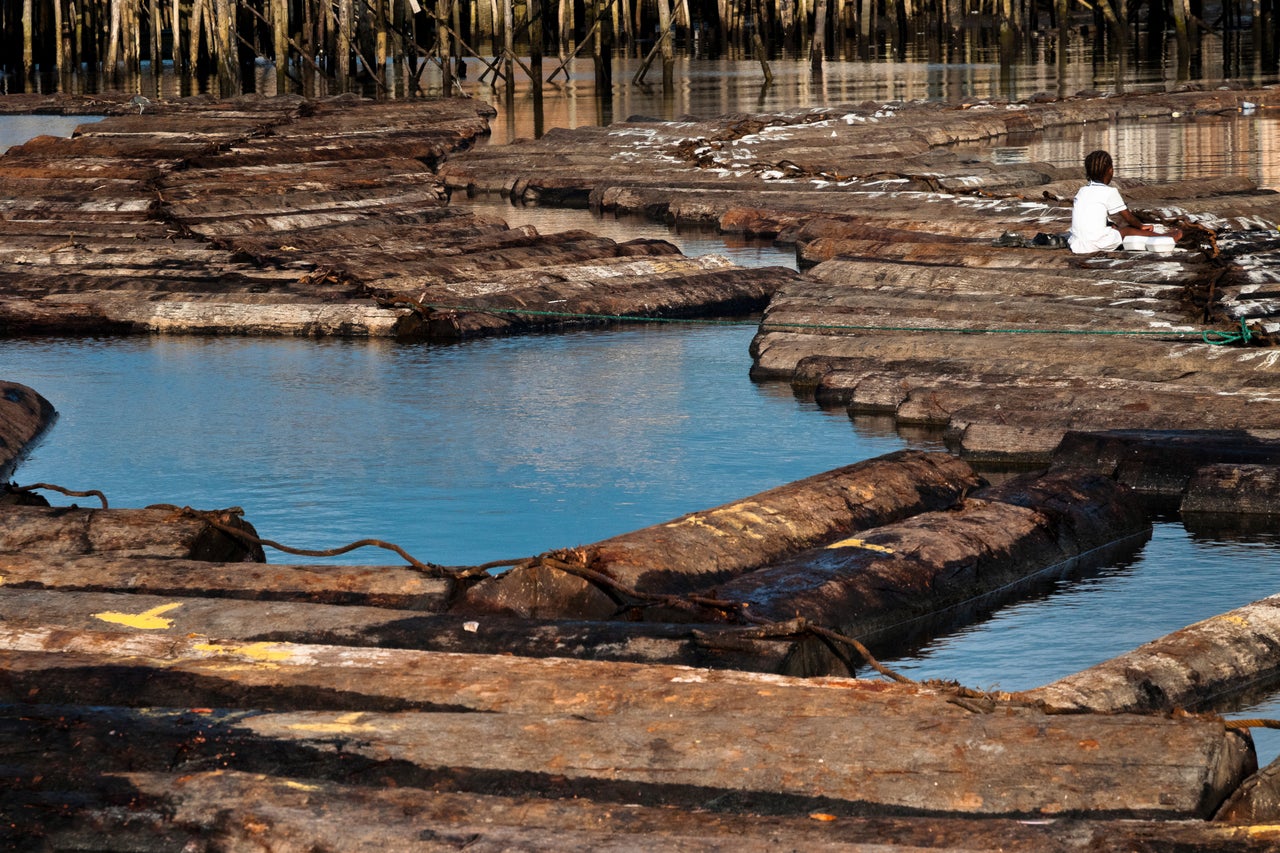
(67, 531)
(701, 548)
(24, 416)
(876, 584)
(923, 756)
(239, 810)
(1253, 489)
(262, 621)
(400, 587)
(1204, 666)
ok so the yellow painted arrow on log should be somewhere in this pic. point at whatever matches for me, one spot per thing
(147, 620)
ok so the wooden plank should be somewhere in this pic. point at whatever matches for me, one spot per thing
(703, 548)
(931, 757)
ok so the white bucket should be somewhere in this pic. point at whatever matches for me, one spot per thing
(1164, 245)
(1135, 243)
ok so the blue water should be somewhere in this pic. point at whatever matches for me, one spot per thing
(459, 454)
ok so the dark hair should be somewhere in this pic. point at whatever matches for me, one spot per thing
(1096, 164)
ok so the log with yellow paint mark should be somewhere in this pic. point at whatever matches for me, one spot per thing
(147, 620)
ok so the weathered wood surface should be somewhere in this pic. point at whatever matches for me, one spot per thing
(1162, 463)
(705, 547)
(148, 225)
(24, 416)
(1256, 801)
(1253, 489)
(709, 645)
(1205, 666)
(401, 587)
(65, 531)
(875, 585)
(233, 810)
(887, 754)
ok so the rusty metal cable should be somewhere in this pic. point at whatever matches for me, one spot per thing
(1244, 725)
(91, 493)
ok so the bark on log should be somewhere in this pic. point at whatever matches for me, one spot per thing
(24, 416)
(1162, 462)
(239, 810)
(1256, 801)
(924, 756)
(702, 548)
(1204, 666)
(69, 531)
(1253, 489)
(874, 586)
(400, 587)
(707, 645)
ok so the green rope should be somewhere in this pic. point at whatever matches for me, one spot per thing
(1228, 337)
(1224, 338)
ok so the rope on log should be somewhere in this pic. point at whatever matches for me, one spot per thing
(91, 493)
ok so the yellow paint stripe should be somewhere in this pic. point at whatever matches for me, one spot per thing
(147, 620)
(341, 725)
(258, 651)
(858, 543)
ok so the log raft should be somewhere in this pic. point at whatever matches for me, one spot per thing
(140, 223)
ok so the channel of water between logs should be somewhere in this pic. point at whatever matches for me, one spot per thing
(501, 448)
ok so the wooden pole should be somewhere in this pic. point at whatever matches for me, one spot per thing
(817, 46)
(442, 47)
(668, 53)
(279, 41)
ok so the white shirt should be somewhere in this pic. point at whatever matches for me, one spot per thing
(1090, 229)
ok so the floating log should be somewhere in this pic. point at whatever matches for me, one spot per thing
(1204, 666)
(1256, 801)
(886, 754)
(709, 645)
(875, 585)
(240, 809)
(24, 416)
(67, 531)
(1162, 462)
(706, 547)
(1253, 489)
(401, 587)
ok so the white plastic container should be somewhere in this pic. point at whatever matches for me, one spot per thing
(1163, 245)
(1136, 243)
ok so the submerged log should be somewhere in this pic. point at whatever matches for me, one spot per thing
(24, 416)
(875, 585)
(240, 809)
(1204, 666)
(68, 531)
(703, 548)
(887, 754)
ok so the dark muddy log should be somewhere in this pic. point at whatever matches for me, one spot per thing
(709, 645)
(706, 547)
(24, 416)
(1256, 801)
(875, 585)
(1162, 462)
(400, 587)
(1204, 666)
(1252, 489)
(240, 809)
(922, 756)
(69, 531)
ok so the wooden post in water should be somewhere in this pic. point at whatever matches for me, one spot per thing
(279, 42)
(509, 43)
(442, 48)
(668, 54)
(817, 46)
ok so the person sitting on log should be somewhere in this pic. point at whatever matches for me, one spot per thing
(1095, 204)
